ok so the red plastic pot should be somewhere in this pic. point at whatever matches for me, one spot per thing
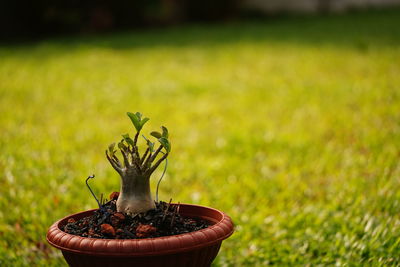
(197, 248)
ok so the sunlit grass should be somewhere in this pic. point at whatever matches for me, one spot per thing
(291, 126)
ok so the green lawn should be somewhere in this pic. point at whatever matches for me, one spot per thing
(289, 125)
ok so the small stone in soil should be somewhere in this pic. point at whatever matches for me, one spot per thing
(114, 195)
(145, 230)
(117, 218)
(107, 229)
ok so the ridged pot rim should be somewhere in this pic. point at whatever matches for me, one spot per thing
(220, 230)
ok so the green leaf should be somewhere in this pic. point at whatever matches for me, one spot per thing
(142, 122)
(111, 149)
(164, 132)
(135, 120)
(149, 144)
(139, 115)
(165, 143)
(128, 139)
(156, 134)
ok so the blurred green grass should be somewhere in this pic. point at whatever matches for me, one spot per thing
(290, 125)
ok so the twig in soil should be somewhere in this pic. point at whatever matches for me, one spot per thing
(173, 215)
(91, 191)
(166, 210)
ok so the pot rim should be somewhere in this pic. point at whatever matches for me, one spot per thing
(220, 230)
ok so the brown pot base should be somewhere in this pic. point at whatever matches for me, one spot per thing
(200, 257)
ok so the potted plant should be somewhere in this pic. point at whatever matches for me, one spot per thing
(133, 230)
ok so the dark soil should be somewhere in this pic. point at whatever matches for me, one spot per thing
(106, 222)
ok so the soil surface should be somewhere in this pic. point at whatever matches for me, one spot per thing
(106, 222)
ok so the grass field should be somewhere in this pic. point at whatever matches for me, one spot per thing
(290, 125)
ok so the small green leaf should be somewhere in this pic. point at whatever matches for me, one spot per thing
(164, 132)
(139, 115)
(165, 143)
(128, 139)
(111, 149)
(142, 122)
(156, 134)
(135, 120)
(149, 144)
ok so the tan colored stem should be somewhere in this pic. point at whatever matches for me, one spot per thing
(135, 195)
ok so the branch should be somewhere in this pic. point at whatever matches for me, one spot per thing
(144, 155)
(132, 154)
(135, 147)
(147, 161)
(126, 161)
(114, 164)
(137, 165)
(152, 158)
(154, 167)
(116, 160)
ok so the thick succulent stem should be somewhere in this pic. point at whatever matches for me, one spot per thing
(135, 195)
